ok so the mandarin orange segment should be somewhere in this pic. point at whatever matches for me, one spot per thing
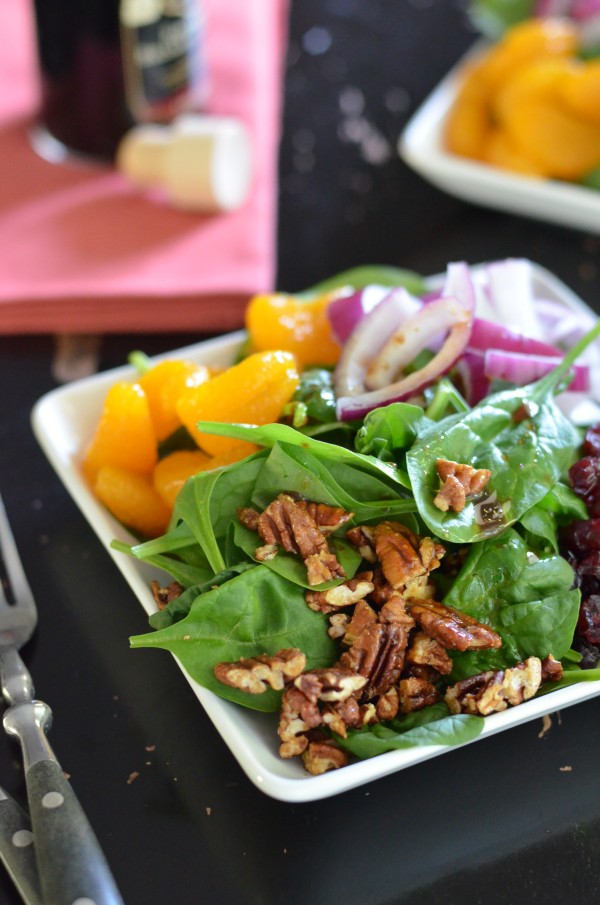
(468, 123)
(163, 385)
(526, 42)
(500, 151)
(280, 321)
(171, 473)
(125, 434)
(132, 499)
(251, 392)
(581, 92)
(562, 144)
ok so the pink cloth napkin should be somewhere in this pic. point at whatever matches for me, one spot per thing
(82, 251)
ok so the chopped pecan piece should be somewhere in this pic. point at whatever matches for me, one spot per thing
(328, 518)
(403, 555)
(342, 595)
(378, 655)
(323, 566)
(415, 694)
(300, 710)
(286, 523)
(552, 670)
(253, 674)
(290, 524)
(426, 658)
(362, 616)
(362, 538)
(333, 684)
(319, 757)
(298, 715)
(459, 481)
(496, 689)
(388, 704)
(248, 517)
(453, 629)
(164, 595)
(338, 624)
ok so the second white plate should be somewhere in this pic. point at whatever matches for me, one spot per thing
(421, 146)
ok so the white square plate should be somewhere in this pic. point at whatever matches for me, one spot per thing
(421, 146)
(64, 420)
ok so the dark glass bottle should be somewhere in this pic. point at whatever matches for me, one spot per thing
(107, 64)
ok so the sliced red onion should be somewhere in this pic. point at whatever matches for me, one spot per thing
(414, 335)
(510, 291)
(552, 7)
(369, 337)
(350, 407)
(459, 285)
(584, 9)
(487, 334)
(346, 312)
(521, 369)
(472, 380)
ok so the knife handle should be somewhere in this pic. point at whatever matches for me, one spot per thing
(16, 850)
(70, 862)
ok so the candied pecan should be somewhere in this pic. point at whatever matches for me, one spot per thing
(382, 589)
(362, 616)
(328, 518)
(405, 556)
(425, 651)
(342, 595)
(552, 670)
(363, 540)
(323, 566)
(253, 674)
(494, 690)
(338, 624)
(388, 704)
(296, 717)
(248, 517)
(266, 552)
(319, 757)
(335, 683)
(459, 481)
(453, 629)
(378, 655)
(300, 711)
(284, 522)
(394, 611)
(415, 694)
(164, 595)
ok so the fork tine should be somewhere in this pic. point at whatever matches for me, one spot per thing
(15, 573)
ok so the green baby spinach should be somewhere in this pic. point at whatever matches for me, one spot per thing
(520, 435)
(256, 612)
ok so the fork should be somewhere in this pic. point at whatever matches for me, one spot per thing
(71, 866)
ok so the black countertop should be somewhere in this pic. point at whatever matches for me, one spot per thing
(511, 819)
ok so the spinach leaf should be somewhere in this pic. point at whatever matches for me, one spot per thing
(531, 604)
(371, 275)
(269, 434)
(179, 607)
(254, 613)
(389, 430)
(431, 726)
(315, 397)
(520, 435)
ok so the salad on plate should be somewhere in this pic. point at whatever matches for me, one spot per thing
(410, 544)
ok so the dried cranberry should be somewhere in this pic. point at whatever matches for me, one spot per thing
(590, 654)
(581, 537)
(588, 624)
(583, 476)
(591, 443)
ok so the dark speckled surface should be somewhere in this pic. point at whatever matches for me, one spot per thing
(512, 820)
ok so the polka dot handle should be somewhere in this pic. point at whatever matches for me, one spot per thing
(17, 850)
(72, 867)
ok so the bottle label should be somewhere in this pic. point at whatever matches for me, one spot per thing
(160, 38)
